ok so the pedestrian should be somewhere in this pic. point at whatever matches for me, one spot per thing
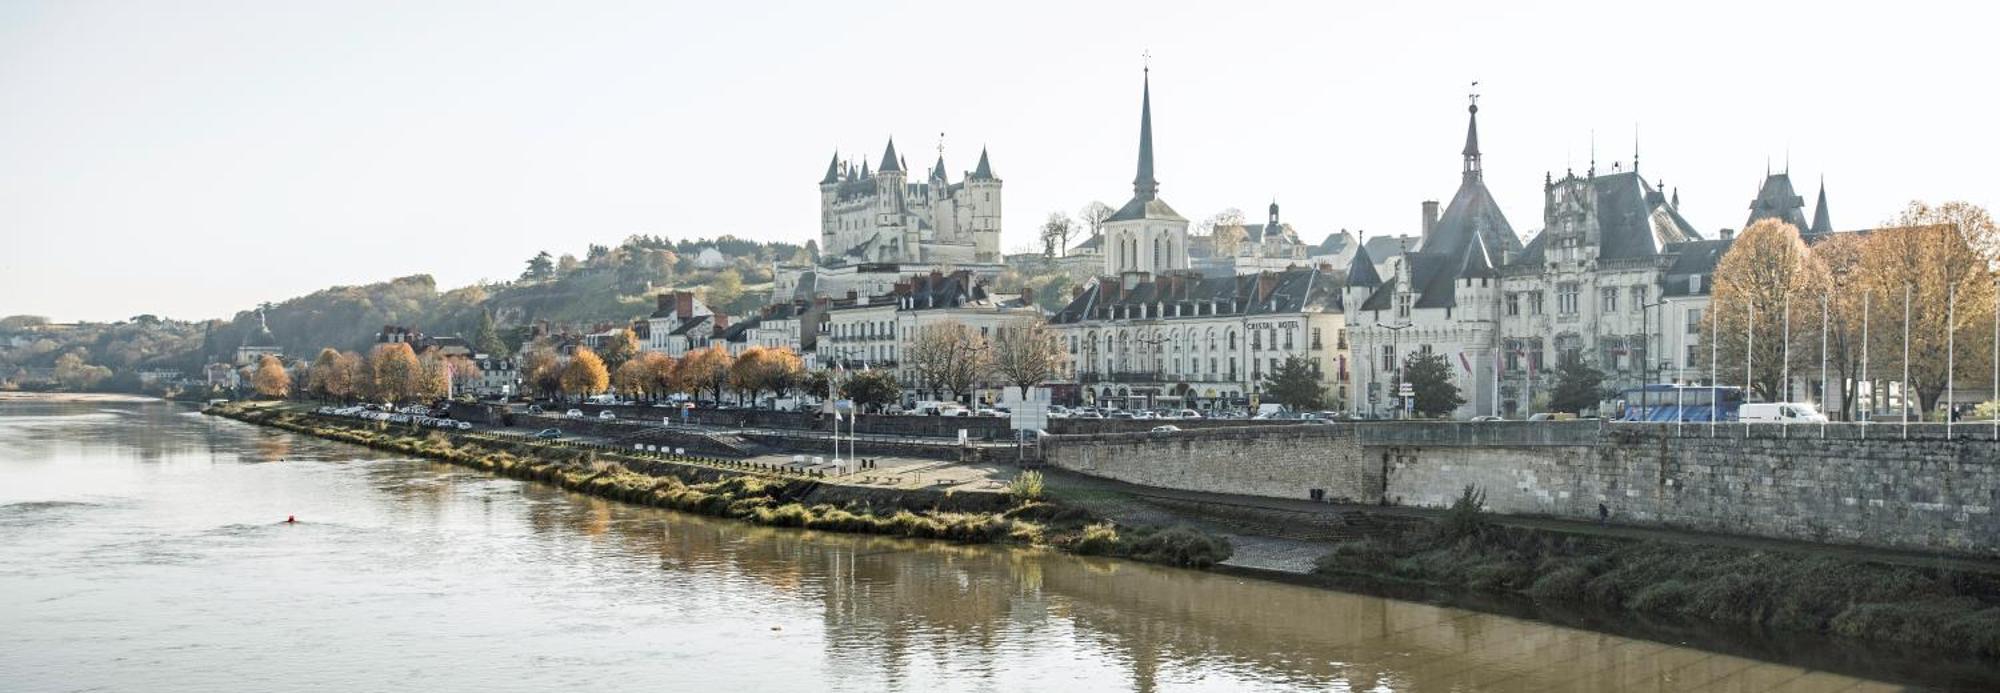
(1603, 514)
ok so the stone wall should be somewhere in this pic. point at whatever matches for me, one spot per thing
(976, 427)
(1928, 492)
(1287, 462)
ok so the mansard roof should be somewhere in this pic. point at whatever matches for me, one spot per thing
(1693, 258)
(1635, 221)
(1290, 291)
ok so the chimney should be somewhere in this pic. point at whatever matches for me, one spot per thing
(721, 320)
(683, 304)
(666, 302)
(1430, 218)
(1132, 279)
(1728, 234)
(1266, 284)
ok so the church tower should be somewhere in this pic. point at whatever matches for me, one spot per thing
(1145, 235)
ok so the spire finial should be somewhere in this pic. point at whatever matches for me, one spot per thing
(1473, 165)
(1635, 147)
(1147, 56)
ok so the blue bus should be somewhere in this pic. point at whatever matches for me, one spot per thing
(1689, 403)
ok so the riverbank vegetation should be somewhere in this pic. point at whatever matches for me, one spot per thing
(706, 487)
(1826, 594)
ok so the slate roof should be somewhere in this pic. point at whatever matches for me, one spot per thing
(891, 162)
(740, 331)
(1334, 244)
(1822, 224)
(832, 171)
(1289, 291)
(1693, 258)
(984, 171)
(1634, 221)
(1361, 271)
(689, 324)
(1145, 202)
(1777, 200)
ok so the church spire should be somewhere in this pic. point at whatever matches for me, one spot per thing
(1144, 187)
(1471, 153)
(1822, 224)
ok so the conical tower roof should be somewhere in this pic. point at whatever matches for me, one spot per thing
(890, 162)
(985, 169)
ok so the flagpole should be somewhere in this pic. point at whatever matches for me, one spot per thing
(1906, 362)
(1870, 414)
(1822, 362)
(1680, 376)
(1950, 352)
(1785, 364)
(1714, 364)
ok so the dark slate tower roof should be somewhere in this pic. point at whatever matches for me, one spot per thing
(1478, 263)
(937, 170)
(1145, 203)
(832, 170)
(982, 172)
(1361, 271)
(890, 162)
(1822, 224)
(1472, 212)
(1777, 200)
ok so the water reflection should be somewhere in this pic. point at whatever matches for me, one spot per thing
(151, 541)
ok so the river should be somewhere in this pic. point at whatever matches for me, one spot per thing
(142, 548)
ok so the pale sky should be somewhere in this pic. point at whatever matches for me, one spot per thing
(191, 159)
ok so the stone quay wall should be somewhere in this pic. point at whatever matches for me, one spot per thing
(1926, 492)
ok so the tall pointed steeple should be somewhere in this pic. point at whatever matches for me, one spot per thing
(1822, 224)
(1471, 153)
(891, 162)
(1143, 186)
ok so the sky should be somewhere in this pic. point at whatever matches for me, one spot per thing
(192, 159)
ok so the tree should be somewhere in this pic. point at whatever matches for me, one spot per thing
(1579, 387)
(1093, 216)
(725, 289)
(349, 373)
(540, 268)
(1026, 354)
(1766, 297)
(1295, 384)
(541, 370)
(1430, 378)
(1932, 256)
(949, 357)
(585, 374)
(816, 382)
(464, 373)
(394, 372)
(1226, 227)
(620, 347)
(1842, 255)
(270, 378)
(324, 376)
(705, 370)
(435, 380)
(486, 339)
(660, 370)
(872, 390)
(73, 373)
(633, 379)
(1056, 233)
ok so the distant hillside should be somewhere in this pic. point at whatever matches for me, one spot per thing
(612, 284)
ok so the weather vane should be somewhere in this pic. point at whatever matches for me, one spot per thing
(1148, 56)
(1474, 95)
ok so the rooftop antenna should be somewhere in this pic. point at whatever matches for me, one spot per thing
(1635, 147)
(1593, 153)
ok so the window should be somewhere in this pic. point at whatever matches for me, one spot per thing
(1256, 339)
(1424, 349)
(1534, 303)
(1694, 283)
(1638, 298)
(1315, 342)
(1513, 304)
(1402, 305)
(1389, 357)
(1566, 298)
(1610, 301)
(1693, 355)
(1232, 346)
(1513, 358)
(1288, 340)
(1694, 321)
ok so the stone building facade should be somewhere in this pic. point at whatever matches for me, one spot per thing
(880, 216)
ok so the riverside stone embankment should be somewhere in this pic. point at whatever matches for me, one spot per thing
(1926, 492)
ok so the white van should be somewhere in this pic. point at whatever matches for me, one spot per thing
(1781, 412)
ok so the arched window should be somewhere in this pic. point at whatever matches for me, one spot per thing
(1232, 340)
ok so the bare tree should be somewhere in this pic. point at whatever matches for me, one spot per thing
(1094, 215)
(950, 357)
(1056, 233)
(1226, 228)
(1025, 354)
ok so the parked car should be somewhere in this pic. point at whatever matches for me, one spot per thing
(1189, 414)
(1485, 418)
(606, 415)
(465, 425)
(1119, 415)
(574, 413)
(548, 434)
(534, 409)
(1166, 428)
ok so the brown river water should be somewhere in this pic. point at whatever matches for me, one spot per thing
(142, 549)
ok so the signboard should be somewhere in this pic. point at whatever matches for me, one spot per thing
(1406, 390)
(1029, 414)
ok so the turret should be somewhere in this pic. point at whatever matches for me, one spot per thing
(983, 194)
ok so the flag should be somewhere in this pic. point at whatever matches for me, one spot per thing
(1463, 362)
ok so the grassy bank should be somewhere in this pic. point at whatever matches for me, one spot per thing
(1933, 608)
(688, 485)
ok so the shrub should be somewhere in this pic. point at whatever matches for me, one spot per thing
(1466, 516)
(1097, 540)
(1181, 546)
(1026, 486)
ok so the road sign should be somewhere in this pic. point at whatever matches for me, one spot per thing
(1406, 390)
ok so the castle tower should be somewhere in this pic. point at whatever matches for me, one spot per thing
(829, 193)
(1145, 235)
(889, 206)
(983, 196)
